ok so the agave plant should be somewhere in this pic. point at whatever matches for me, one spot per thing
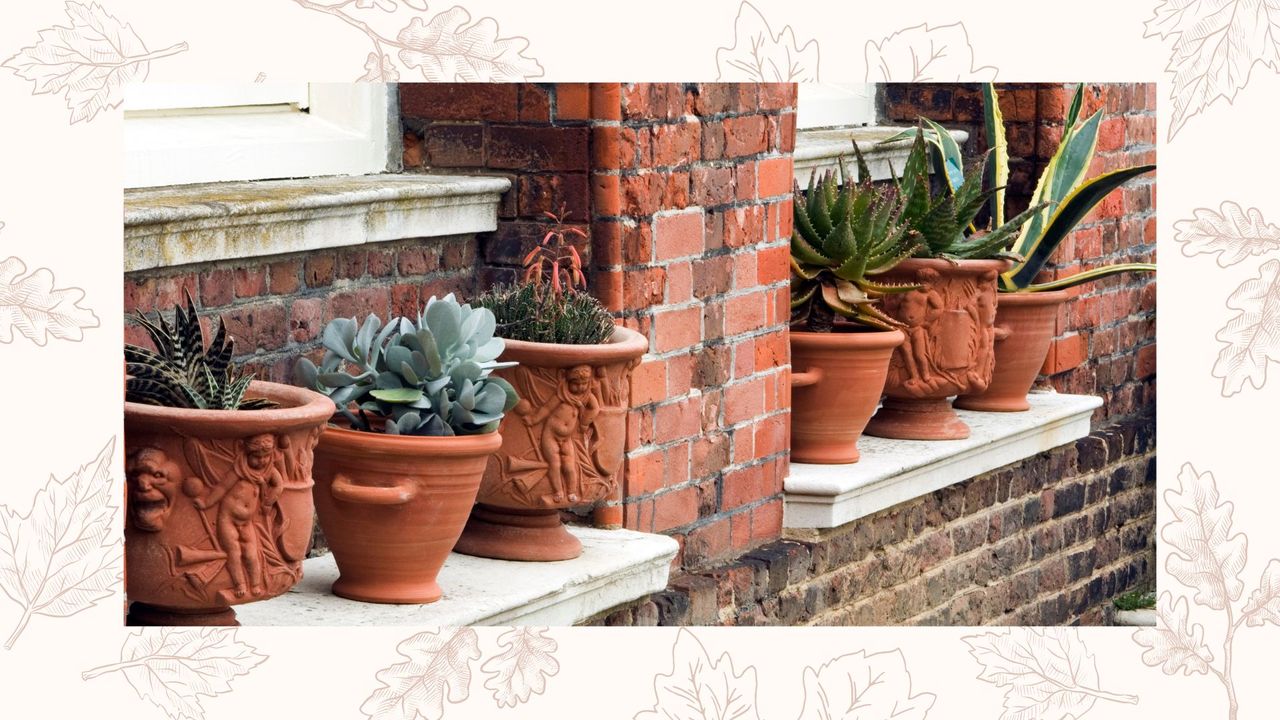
(570, 317)
(429, 376)
(844, 235)
(184, 372)
(945, 218)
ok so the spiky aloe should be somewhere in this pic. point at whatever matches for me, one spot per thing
(844, 234)
(184, 372)
(945, 217)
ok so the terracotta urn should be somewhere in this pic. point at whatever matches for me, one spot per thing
(392, 507)
(949, 347)
(218, 506)
(562, 446)
(836, 382)
(1025, 325)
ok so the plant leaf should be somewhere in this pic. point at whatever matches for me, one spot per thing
(522, 669)
(31, 306)
(450, 48)
(921, 53)
(699, 688)
(998, 170)
(379, 69)
(1264, 603)
(1206, 557)
(1174, 643)
(861, 686)
(760, 55)
(1252, 337)
(437, 667)
(1231, 232)
(399, 396)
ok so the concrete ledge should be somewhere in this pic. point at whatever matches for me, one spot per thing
(616, 567)
(822, 150)
(894, 471)
(185, 224)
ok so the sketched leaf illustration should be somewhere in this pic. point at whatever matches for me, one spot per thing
(445, 48)
(173, 667)
(90, 61)
(698, 688)
(1252, 336)
(1264, 602)
(760, 55)
(31, 306)
(1174, 643)
(859, 686)
(437, 668)
(523, 668)
(1048, 673)
(1233, 233)
(1206, 556)
(379, 68)
(62, 557)
(925, 54)
(1216, 45)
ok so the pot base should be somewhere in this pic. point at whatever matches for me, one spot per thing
(992, 404)
(387, 593)
(510, 534)
(917, 419)
(144, 615)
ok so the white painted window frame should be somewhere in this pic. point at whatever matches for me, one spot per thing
(825, 105)
(345, 130)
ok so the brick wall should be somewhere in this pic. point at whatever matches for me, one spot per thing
(1046, 541)
(1106, 336)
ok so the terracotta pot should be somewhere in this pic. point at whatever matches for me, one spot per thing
(218, 508)
(392, 507)
(836, 382)
(1024, 328)
(949, 347)
(562, 446)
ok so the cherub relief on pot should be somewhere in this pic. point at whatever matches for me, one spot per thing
(153, 481)
(949, 339)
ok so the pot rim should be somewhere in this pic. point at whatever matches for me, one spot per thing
(948, 266)
(625, 344)
(1047, 297)
(340, 440)
(301, 408)
(873, 340)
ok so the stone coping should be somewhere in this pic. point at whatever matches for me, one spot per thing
(616, 567)
(186, 224)
(822, 148)
(894, 471)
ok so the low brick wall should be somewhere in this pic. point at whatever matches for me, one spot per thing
(1046, 541)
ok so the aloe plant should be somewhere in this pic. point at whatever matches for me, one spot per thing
(183, 371)
(429, 376)
(844, 234)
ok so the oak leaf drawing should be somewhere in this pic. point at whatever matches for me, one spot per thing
(1252, 336)
(1047, 673)
(448, 49)
(1232, 233)
(1206, 555)
(523, 668)
(379, 68)
(760, 55)
(437, 667)
(1264, 602)
(1174, 643)
(922, 53)
(174, 667)
(1217, 44)
(31, 306)
(89, 61)
(699, 688)
(62, 556)
(859, 686)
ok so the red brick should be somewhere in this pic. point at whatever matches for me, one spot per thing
(644, 473)
(776, 96)
(542, 193)
(681, 419)
(453, 146)
(711, 185)
(649, 382)
(1146, 362)
(679, 283)
(743, 226)
(360, 303)
(420, 260)
(744, 358)
(675, 464)
(773, 265)
(641, 195)
(1065, 354)
(217, 288)
(678, 235)
(743, 401)
(250, 281)
(766, 521)
(745, 313)
(744, 180)
(713, 98)
(652, 101)
(573, 101)
(679, 375)
(772, 351)
(1111, 134)
(710, 454)
(285, 277)
(706, 543)
(306, 319)
(775, 176)
(771, 436)
(535, 103)
(744, 270)
(406, 300)
(256, 327)
(675, 508)
(676, 144)
(677, 328)
(318, 270)
(608, 151)
(459, 101)
(145, 294)
(537, 148)
(745, 135)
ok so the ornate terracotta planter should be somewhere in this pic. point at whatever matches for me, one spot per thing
(219, 505)
(392, 507)
(949, 346)
(1024, 329)
(562, 446)
(836, 382)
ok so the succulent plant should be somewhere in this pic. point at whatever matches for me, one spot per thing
(428, 376)
(184, 372)
(945, 217)
(524, 312)
(844, 234)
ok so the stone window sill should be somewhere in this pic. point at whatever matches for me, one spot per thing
(616, 567)
(895, 471)
(186, 224)
(821, 149)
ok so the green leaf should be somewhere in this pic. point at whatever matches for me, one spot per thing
(998, 170)
(338, 337)
(1089, 276)
(444, 318)
(400, 396)
(804, 252)
(949, 152)
(1064, 219)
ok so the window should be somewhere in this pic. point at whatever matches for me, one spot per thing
(180, 134)
(823, 105)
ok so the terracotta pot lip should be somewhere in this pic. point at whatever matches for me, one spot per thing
(1048, 297)
(624, 344)
(877, 340)
(947, 266)
(300, 408)
(346, 441)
